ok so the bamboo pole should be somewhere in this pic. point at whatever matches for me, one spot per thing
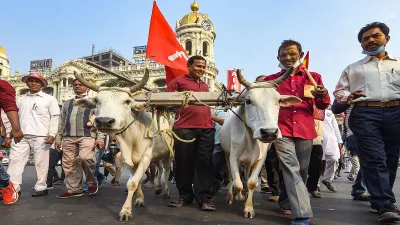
(113, 73)
(173, 99)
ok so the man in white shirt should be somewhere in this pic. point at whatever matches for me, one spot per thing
(332, 145)
(373, 86)
(38, 116)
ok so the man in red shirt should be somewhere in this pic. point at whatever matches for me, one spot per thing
(194, 160)
(7, 103)
(296, 124)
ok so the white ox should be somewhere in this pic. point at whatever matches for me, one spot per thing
(246, 136)
(118, 114)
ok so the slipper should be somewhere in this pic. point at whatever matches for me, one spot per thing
(209, 206)
(177, 204)
(315, 194)
(361, 197)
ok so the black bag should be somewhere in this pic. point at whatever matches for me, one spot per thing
(108, 157)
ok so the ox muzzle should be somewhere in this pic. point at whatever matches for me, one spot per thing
(269, 134)
(104, 122)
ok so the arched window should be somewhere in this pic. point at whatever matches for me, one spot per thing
(188, 47)
(205, 48)
(64, 82)
(70, 82)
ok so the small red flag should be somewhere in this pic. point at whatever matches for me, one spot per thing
(164, 48)
(306, 60)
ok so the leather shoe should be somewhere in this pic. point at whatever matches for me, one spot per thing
(40, 193)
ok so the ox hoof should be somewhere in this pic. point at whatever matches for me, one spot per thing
(249, 214)
(229, 202)
(166, 196)
(124, 216)
(139, 203)
(158, 192)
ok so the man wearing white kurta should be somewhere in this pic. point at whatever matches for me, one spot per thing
(332, 143)
(38, 116)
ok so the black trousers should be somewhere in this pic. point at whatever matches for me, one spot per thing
(315, 167)
(220, 167)
(272, 167)
(55, 156)
(194, 165)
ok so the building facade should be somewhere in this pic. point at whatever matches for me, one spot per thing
(195, 31)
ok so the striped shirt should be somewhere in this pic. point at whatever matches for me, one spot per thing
(346, 129)
(74, 122)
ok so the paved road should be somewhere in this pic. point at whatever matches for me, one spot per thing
(332, 209)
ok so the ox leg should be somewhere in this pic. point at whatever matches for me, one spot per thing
(139, 202)
(251, 185)
(157, 180)
(167, 170)
(237, 182)
(126, 210)
(133, 184)
(229, 196)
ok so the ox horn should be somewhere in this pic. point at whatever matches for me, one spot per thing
(242, 80)
(142, 83)
(283, 77)
(85, 82)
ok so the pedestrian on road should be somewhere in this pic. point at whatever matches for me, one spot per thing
(296, 124)
(38, 115)
(332, 145)
(194, 160)
(78, 142)
(372, 85)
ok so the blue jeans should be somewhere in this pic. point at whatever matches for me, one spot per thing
(376, 130)
(358, 187)
(99, 154)
(4, 177)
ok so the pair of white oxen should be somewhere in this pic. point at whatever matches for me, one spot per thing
(245, 138)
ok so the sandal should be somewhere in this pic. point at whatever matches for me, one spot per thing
(178, 204)
(209, 206)
(361, 197)
(315, 194)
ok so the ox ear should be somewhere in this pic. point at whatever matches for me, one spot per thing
(288, 100)
(139, 106)
(86, 103)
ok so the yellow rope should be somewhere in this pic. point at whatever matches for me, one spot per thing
(187, 95)
(166, 132)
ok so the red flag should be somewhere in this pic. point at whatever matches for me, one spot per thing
(164, 48)
(306, 60)
(233, 83)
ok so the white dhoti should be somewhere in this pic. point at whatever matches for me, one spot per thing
(19, 156)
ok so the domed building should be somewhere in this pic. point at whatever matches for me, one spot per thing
(4, 63)
(197, 35)
(195, 31)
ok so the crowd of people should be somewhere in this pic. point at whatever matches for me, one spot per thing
(309, 152)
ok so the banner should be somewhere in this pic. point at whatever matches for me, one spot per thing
(164, 48)
(233, 83)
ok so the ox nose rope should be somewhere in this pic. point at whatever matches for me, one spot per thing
(243, 120)
(120, 132)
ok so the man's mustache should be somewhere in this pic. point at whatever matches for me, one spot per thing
(372, 44)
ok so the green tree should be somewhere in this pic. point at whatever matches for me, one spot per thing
(116, 83)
